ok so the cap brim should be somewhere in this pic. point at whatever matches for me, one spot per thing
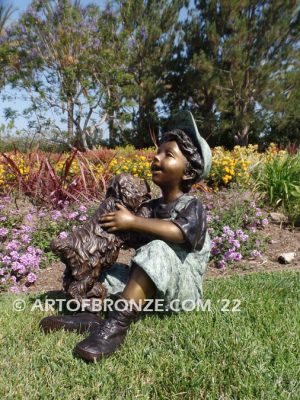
(184, 120)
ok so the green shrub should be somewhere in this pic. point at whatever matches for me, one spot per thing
(278, 182)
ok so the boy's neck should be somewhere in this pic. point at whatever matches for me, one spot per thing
(168, 197)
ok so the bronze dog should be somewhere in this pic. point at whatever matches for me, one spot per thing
(90, 249)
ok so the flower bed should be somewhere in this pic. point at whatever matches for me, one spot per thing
(52, 178)
(25, 236)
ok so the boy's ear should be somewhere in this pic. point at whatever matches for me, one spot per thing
(188, 176)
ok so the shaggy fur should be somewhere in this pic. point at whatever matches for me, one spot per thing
(89, 249)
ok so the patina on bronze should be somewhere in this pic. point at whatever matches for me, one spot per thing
(90, 249)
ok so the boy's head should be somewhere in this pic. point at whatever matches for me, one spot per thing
(184, 131)
(194, 166)
(184, 121)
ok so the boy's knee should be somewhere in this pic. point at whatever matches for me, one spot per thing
(156, 245)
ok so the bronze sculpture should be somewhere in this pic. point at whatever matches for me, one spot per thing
(171, 262)
(90, 249)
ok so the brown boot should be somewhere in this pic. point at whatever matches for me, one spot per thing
(81, 323)
(107, 338)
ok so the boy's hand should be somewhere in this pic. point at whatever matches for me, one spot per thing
(120, 220)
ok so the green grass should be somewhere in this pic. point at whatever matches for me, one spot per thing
(251, 354)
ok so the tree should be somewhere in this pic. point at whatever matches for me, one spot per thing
(282, 106)
(231, 50)
(64, 63)
(149, 29)
(5, 13)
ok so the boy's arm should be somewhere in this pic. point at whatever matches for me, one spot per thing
(122, 219)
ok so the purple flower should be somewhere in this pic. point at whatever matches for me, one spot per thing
(265, 221)
(228, 231)
(73, 215)
(255, 253)
(12, 245)
(30, 260)
(82, 208)
(241, 235)
(29, 217)
(234, 243)
(25, 238)
(6, 259)
(214, 251)
(258, 214)
(2, 271)
(63, 235)
(56, 215)
(232, 255)
(31, 277)
(14, 255)
(14, 289)
(26, 228)
(18, 267)
(3, 231)
(221, 264)
(3, 218)
(237, 256)
(209, 218)
(82, 218)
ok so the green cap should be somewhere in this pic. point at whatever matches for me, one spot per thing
(184, 120)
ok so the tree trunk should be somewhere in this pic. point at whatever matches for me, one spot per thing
(242, 136)
(70, 110)
(112, 131)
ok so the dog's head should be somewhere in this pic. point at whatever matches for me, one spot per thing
(130, 190)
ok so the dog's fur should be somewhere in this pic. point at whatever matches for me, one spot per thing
(89, 249)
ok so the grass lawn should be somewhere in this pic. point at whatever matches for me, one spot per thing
(250, 354)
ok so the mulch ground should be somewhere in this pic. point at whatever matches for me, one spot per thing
(282, 239)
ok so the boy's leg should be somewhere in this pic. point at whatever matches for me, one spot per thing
(139, 287)
(110, 335)
(114, 279)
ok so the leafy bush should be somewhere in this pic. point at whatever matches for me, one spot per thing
(235, 231)
(278, 182)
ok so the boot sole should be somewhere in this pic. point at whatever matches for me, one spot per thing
(52, 326)
(87, 356)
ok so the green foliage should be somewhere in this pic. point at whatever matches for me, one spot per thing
(132, 63)
(46, 230)
(278, 181)
(230, 58)
(11, 221)
(249, 354)
(241, 220)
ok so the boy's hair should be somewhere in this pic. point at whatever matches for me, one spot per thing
(189, 150)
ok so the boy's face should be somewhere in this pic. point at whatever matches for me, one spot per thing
(168, 165)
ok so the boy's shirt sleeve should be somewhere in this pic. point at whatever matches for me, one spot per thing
(192, 222)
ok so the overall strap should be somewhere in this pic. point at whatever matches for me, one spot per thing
(183, 201)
